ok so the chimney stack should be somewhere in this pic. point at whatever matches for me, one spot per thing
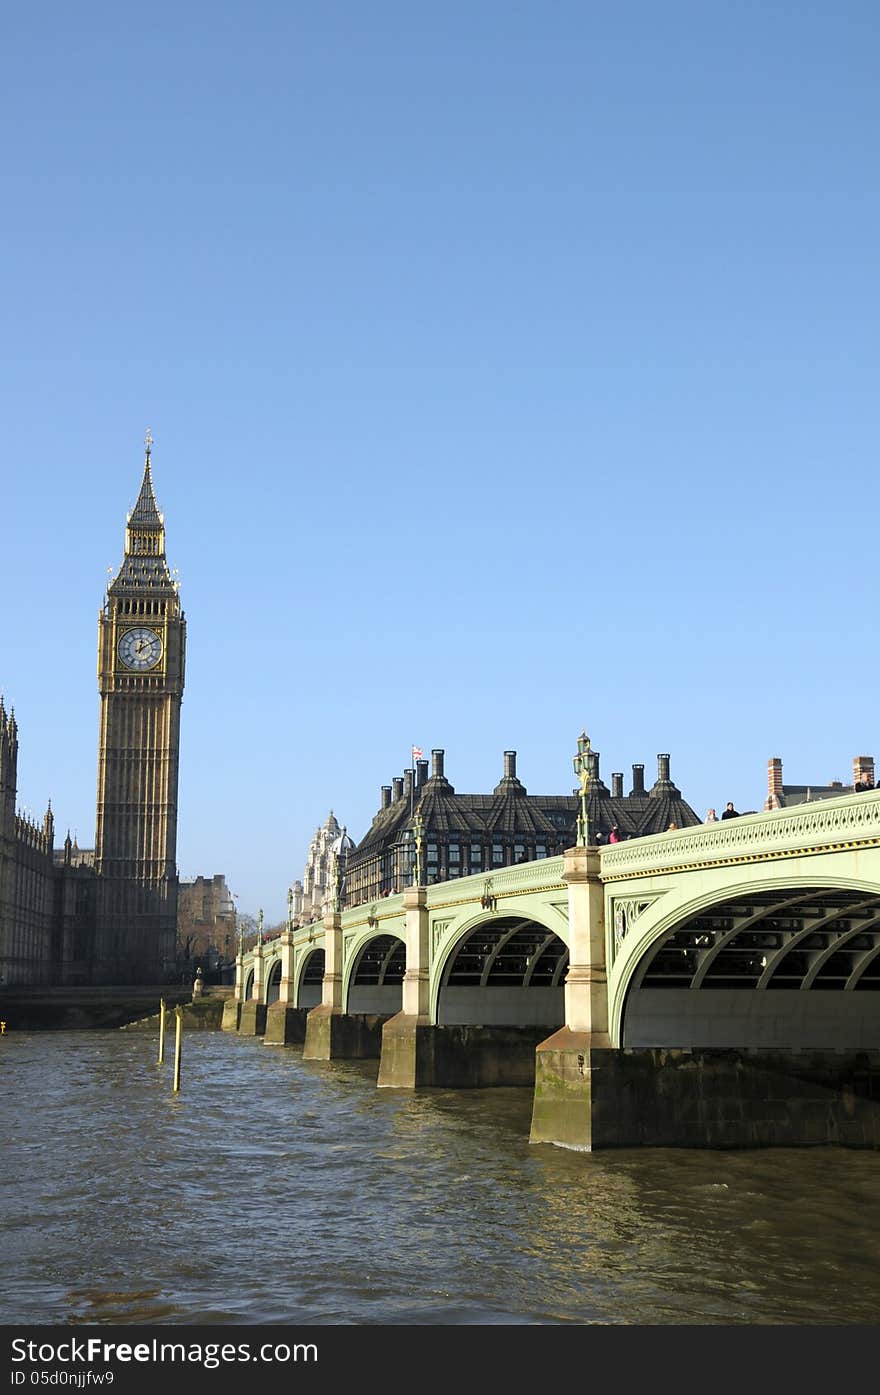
(510, 765)
(663, 784)
(421, 773)
(407, 785)
(774, 776)
(638, 788)
(863, 770)
(397, 787)
(385, 796)
(437, 764)
(597, 785)
(617, 784)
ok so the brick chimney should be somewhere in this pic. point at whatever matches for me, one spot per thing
(385, 796)
(510, 765)
(638, 781)
(863, 770)
(617, 784)
(774, 777)
(397, 788)
(421, 773)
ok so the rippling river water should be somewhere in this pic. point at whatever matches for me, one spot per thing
(277, 1190)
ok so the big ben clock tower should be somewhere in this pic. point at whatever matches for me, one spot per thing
(141, 645)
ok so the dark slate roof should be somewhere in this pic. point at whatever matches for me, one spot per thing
(385, 829)
(511, 813)
(145, 513)
(141, 573)
(804, 794)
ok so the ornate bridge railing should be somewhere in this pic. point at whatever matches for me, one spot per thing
(851, 821)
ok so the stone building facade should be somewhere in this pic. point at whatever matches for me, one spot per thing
(27, 875)
(206, 919)
(47, 894)
(315, 894)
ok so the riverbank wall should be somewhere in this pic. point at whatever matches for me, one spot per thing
(85, 1009)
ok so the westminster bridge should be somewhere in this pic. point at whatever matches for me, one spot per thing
(717, 984)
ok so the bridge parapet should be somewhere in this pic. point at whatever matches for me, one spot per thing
(522, 879)
(851, 821)
(373, 913)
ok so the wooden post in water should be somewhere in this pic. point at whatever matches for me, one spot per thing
(161, 1031)
(178, 1013)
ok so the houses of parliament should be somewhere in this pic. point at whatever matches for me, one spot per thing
(109, 914)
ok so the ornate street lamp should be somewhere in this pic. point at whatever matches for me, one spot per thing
(340, 866)
(289, 909)
(418, 833)
(582, 771)
(260, 928)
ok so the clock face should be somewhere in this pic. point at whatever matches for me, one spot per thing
(140, 648)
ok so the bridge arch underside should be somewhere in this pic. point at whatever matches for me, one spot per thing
(773, 969)
(249, 984)
(273, 982)
(375, 984)
(506, 972)
(311, 980)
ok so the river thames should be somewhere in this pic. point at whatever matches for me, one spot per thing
(274, 1190)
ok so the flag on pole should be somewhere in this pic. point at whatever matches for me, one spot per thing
(417, 752)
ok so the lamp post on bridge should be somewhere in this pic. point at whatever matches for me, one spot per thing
(418, 834)
(582, 771)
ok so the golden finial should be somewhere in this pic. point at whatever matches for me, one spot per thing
(148, 442)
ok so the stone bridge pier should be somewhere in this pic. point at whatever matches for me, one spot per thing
(330, 1032)
(252, 1018)
(232, 1006)
(285, 1023)
(407, 1038)
(569, 1064)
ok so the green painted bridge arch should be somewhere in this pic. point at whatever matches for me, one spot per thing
(758, 932)
(653, 942)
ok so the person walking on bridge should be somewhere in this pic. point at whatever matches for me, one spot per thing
(730, 812)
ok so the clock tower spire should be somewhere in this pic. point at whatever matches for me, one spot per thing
(141, 651)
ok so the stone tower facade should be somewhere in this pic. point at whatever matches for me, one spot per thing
(141, 652)
(28, 938)
(314, 894)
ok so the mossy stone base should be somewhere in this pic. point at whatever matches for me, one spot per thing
(415, 1053)
(588, 1097)
(285, 1025)
(252, 1021)
(340, 1036)
(562, 1111)
(231, 1015)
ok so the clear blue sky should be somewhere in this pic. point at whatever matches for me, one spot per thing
(512, 369)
